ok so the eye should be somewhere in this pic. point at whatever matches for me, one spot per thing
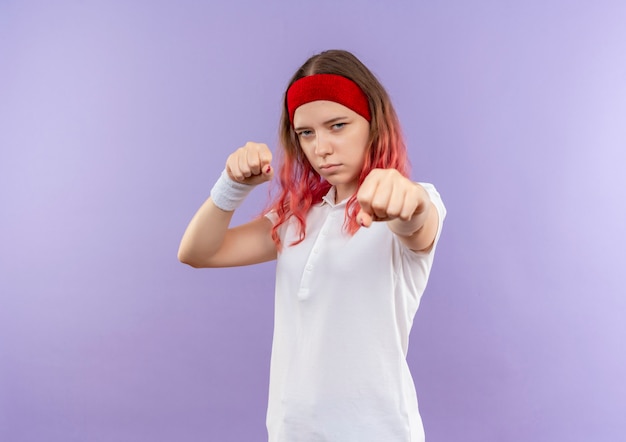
(305, 133)
(338, 126)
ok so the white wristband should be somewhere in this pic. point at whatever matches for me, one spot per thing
(228, 194)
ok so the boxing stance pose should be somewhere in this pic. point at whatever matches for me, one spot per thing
(354, 240)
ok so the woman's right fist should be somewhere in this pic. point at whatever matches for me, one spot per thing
(250, 164)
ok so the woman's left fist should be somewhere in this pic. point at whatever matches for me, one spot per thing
(386, 195)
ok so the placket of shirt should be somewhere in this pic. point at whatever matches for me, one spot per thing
(315, 254)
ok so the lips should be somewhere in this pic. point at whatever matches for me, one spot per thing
(328, 167)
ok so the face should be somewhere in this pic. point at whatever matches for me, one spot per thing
(334, 139)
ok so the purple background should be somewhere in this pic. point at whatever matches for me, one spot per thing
(116, 117)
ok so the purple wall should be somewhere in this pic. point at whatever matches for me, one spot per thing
(116, 117)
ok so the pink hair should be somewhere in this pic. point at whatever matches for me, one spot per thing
(300, 186)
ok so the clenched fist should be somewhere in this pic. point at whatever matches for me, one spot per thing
(386, 195)
(250, 164)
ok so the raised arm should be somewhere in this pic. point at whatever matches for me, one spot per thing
(208, 241)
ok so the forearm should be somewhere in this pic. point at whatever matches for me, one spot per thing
(204, 234)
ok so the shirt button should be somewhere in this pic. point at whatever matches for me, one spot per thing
(309, 267)
(316, 250)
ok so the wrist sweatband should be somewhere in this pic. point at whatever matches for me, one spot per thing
(328, 87)
(228, 194)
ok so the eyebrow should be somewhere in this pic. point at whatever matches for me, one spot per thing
(325, 123)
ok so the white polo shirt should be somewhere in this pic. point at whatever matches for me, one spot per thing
(343, 313)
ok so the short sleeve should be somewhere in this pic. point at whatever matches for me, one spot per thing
(272, 216)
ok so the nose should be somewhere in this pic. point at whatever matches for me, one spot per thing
(323, 146)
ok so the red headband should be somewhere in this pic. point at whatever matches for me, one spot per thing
(329, 87)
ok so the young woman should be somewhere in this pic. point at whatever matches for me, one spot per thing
(354, 238)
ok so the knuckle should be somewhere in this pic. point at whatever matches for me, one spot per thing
(394, 210)
(378, 206)
(252, 145)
